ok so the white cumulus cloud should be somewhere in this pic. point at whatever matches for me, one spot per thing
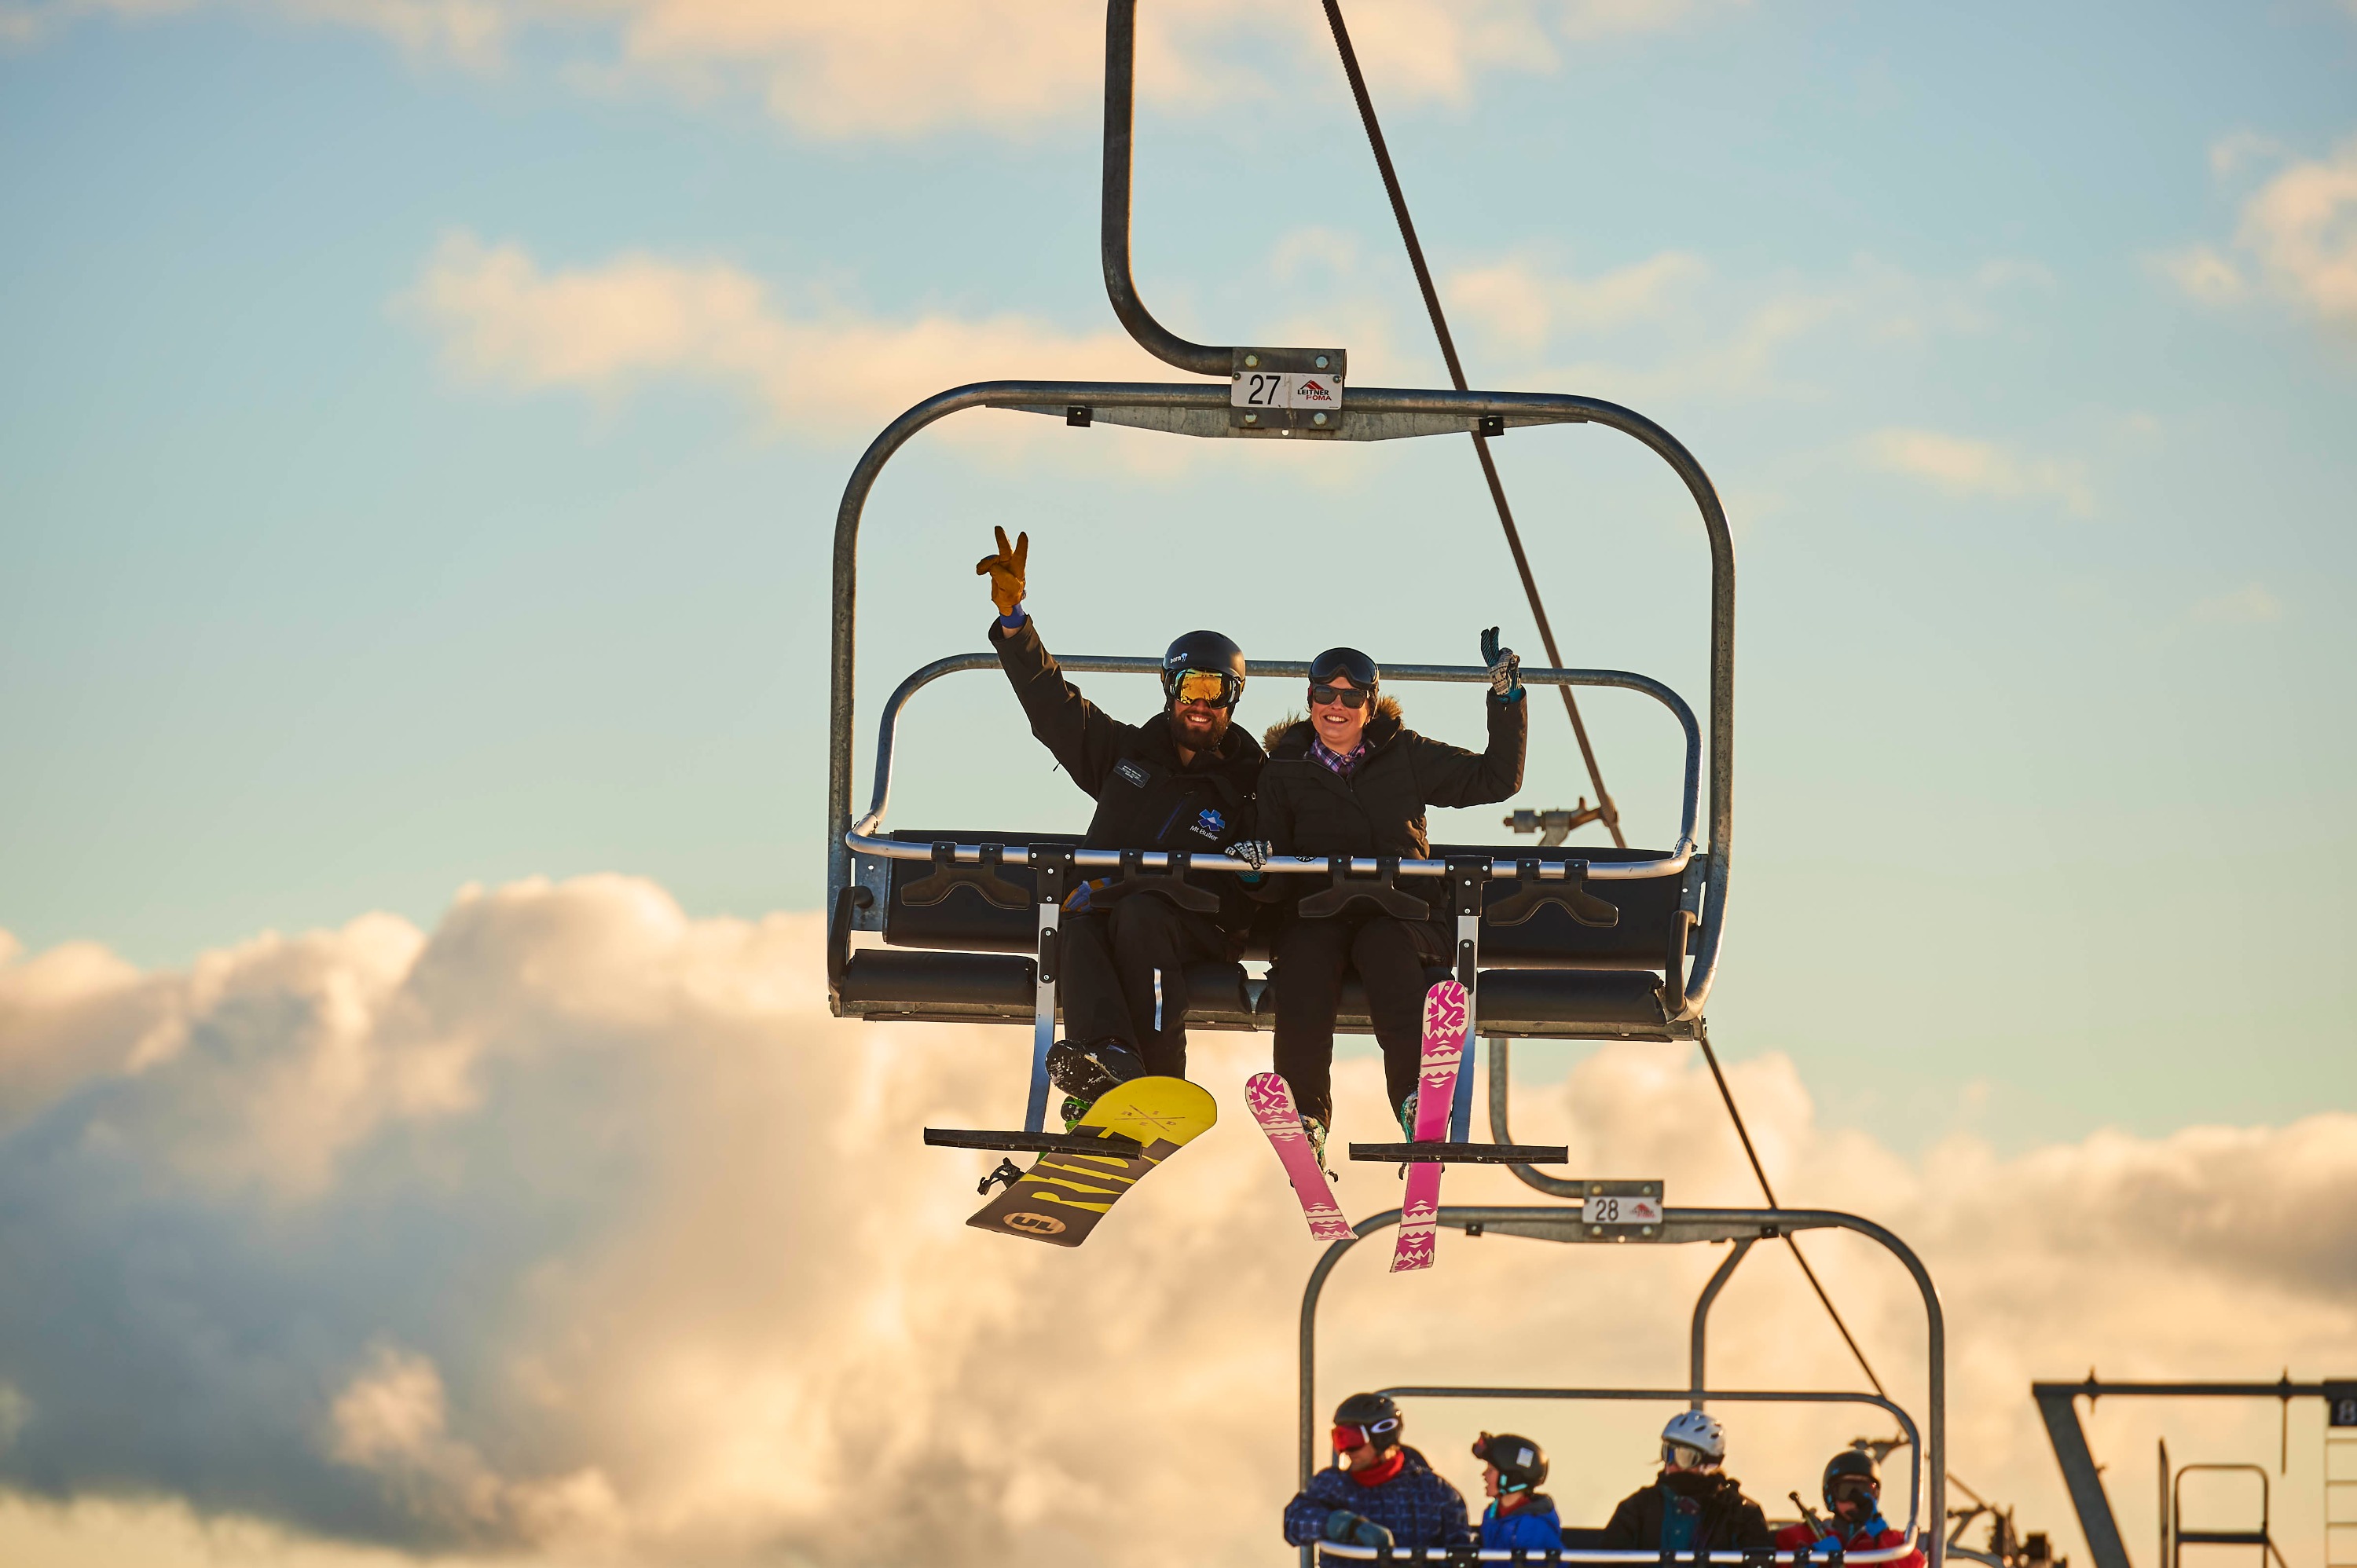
(607, 328)
(1966, 466)
(2297, 234)
(900, 68)
(574, 1231)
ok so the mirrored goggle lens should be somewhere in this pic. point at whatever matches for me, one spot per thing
(1349, 1437)
(1684, 1458)
(1351, 698)
(1201, 686)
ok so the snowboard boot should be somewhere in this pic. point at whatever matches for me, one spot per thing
(1085, 1072)
(1407, 1115)
(1315, 1129)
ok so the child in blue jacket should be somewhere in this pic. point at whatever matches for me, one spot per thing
(1518, 1514)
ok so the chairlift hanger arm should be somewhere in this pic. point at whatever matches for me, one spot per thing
(1121, 285)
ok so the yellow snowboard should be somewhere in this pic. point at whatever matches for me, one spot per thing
(1061, 1198)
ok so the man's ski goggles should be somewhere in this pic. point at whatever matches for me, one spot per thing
(1849, 1487)
(1355, 697)
(1216, 687)
(1349, 1437)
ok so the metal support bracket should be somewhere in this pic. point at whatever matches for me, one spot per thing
(1052, 872)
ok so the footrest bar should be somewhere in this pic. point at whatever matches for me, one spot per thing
(1037, 1142)
(1463, 1153)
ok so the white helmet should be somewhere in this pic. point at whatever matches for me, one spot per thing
(1699, 1430)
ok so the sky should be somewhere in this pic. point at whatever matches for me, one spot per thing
(421, 426)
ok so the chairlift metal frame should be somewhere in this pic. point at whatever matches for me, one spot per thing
(1740, 1226)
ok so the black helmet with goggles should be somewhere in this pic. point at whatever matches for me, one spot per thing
(1348, 664)
(1203, 667)
(1366, 1419)
(1850, 1475)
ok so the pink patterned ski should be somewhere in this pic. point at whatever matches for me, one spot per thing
(1445, 1023)
(1271, 1099)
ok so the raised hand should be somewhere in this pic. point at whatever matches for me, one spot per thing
(1505, 667)
(1004, 571)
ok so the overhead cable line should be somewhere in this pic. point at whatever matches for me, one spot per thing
(1609, 813)
(1702, 1033)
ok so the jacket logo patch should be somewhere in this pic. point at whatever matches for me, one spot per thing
(1131, 771)
(1210, 824)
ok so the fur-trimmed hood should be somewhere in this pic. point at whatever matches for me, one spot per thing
(1282, 739)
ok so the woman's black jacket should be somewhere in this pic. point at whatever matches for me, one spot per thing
(1306, 808)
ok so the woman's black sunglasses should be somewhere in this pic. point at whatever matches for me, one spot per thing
(1351, 698)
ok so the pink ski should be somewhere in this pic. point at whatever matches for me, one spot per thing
(1445, 1020)
(1271, 1099)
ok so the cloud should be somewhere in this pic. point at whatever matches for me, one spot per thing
(2247, 606)
(1967, 467)
(609, 328)
(1648, 329)
(2203, 274)
(2302, 228)
(2298, 233)
(901, 68)
(1522, 304)
(592, 1238)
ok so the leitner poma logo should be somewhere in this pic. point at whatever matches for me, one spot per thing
(1314, 390)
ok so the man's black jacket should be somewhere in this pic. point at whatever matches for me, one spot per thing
(1728, 1521)
(1306, 808)
(1145, 798)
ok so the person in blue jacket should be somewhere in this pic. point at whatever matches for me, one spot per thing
(1519, 1514)
(1380, 1492)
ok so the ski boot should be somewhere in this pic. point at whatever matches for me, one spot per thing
(1316, 1130)
(1085, 1072)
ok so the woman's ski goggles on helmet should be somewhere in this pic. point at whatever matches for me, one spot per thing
(1347, 661)
(1216, 687)
(1682, 1456)
(1355, 697)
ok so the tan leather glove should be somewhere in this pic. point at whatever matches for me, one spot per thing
(1004, 571)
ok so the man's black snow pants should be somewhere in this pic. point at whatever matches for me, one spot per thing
(1390, 955)
(1112, 961)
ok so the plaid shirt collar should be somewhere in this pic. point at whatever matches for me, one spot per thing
(1343, 763)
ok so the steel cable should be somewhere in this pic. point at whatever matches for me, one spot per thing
(1611, 817)
(1609, 813)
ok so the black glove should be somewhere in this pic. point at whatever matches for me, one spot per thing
(1355, 1530)
(1505, 667)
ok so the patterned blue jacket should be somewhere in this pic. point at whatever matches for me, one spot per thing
(1417, 1506)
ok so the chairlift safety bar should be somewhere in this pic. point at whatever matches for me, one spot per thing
(1532, 1558)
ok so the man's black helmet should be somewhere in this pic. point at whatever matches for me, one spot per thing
(1361, 670)
(1208, 652)
(1375, 1414)
(1853, 1464)
(1522, 1464)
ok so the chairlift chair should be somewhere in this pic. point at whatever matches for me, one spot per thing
(1553, 941)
